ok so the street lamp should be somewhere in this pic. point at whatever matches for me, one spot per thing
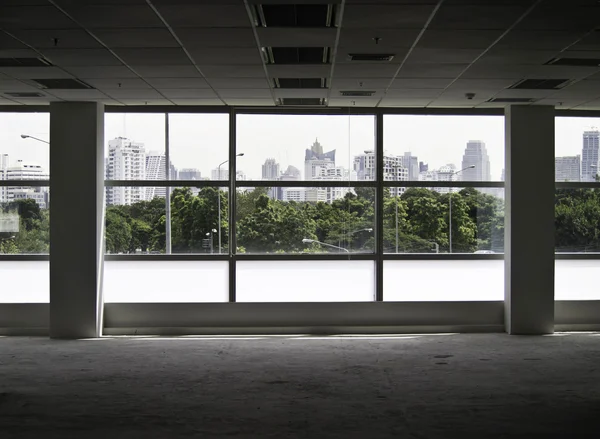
(219, 196)
(211, 239)
(309, 241)
(27, 136)
(366, 229)
(450, 208)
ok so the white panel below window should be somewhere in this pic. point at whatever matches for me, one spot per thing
(305, 281)
(576, 279)
(24, 282)
(443, 281)
(166, 281)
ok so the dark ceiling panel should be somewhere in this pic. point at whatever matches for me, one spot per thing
(128, 38)
(199, 15)
(33, 17)
(57, 38)
(412, 16)
(113, 16)
(477, 17)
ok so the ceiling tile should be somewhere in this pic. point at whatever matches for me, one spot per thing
(413, 70)
(360, 83)
(155, 56)
(81, 57)
(421, 82)
(121, 93)
(459, 95)
(113, 16)
(303, 93)
(235, 83)
(189, 93)
(34, 72)
(146, 102)
(388, 39)
(518, 93)
(443, 56)
(414, 93)
(8, 42)
(33, 17)
(204, 15)
(78, 94)
(363, 70)
(539, 40)
(216, 56)
(18, 53)
(197, 82)
(483, 16)
(65, 38)
(249, 102)
(588, 42)
(184, 102)
(166, 71)
(126, 83)
(343, 54)
(245, 93)
(292, 37)
(458, 39)
(558, 15)
(233, 71)
(375, 16)
(352, 102)
(399, 102)
(511, 56)
(102, 72)
(215, 37)
(561, 104)
(15, 85)
(470, 85)
(127, 38)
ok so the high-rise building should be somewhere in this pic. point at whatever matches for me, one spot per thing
(219, 174)
(315, 160)
(3, 168)
(476, 155)
(25, 171)
(394, 168)
(290, 174)
(189, 174)
(270, 170)
(423, 167)
(126, 161)
(445, 173)
(589, 155)
(155, 170)
(567, 168)
(411, 163)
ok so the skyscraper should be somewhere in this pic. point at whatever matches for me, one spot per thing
(189, 174)
(270, 170)
(126, 161)
(475, 155)
(567, 168)
(411, 163)
(155, 170)
(589, 155)
(315, 160)
(26, 171)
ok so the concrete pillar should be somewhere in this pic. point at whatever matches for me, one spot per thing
(529, 223)
(77, 222)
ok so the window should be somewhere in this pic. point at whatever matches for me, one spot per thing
(576, 148)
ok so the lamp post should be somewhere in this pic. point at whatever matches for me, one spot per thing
(309, 241)
(27, 136)
(450, 209)
(366, 229)
(219, 196)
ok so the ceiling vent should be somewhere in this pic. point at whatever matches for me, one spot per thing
(574, 62)
(314, 102)
(374, 57)
(540, 84)
(297, 55)
(294, 15)
(24, 62)
(300, 82)
(62, 84)
(357, 93)
(25, 94)
(512, 100)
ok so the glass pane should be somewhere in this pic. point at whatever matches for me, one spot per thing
(305, 220)
(305, 281)
(306, 147)
(577, 221)
(576, 279)
(36, 288)
(443, 281)
(135, 220)
(443, 148)
(576, 148)
(166, 281)
(24, 220)
(195, 225)
(443, 220)
(24, 149)
(198, 144)
(135, 146)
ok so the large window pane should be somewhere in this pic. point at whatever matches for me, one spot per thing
(443, 281)
(305, 281)
(305, 220)
(25, 281)
(198, 144)
(135, 146)
(443, 148)
(24, 149)
(576, 148)
(306, 147)
(576, 279)
(135, 220)
(196, 226)
(24, 220)
(166, 281)
(443, 220)
(577, 221)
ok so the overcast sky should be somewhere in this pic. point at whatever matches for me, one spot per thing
(201, 141)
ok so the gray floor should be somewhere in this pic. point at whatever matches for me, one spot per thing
(434, 386)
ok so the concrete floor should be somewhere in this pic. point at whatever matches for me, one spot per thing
(422, 387)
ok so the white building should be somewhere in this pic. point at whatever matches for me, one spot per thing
(189, 174)
(219, 174)
(24, 171)
(155, 170)
(126, 161)
(394, 168)
(3, 169)
(476, 156)
(315, 160)
(311, 194)
(270, 170)
(445, 173)
(567, 168)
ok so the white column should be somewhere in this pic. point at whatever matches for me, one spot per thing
(77, 222)
(529, 223)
